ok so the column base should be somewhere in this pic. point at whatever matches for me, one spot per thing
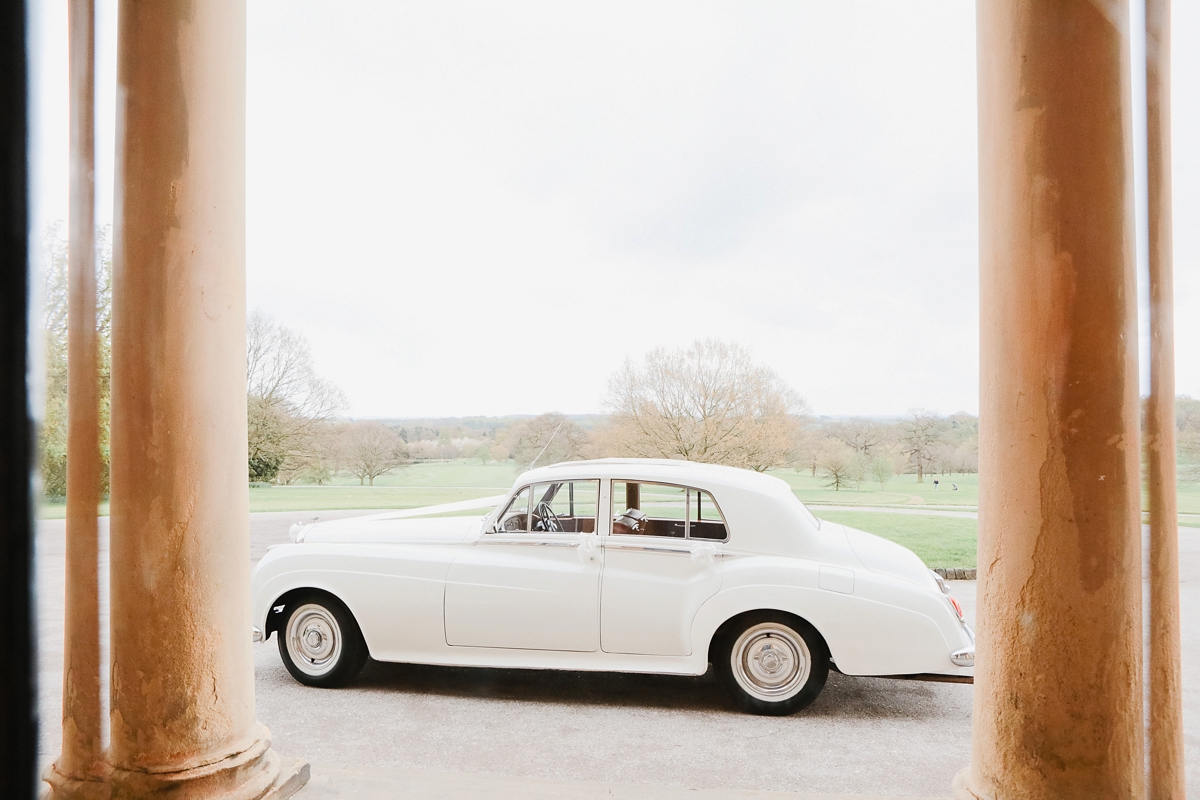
(257, 773)
(961, 790)
(293, 774)
(64, 787)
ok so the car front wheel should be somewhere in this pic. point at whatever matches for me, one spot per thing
(320, 642)
(773, 663)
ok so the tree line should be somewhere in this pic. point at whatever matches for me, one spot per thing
(710, 401)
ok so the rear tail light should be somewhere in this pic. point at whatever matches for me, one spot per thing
(957, 607)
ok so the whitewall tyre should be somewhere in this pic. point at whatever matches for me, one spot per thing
(319, 642)
(772, 663)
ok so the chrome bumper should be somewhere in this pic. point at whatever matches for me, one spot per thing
(256, 634)
(966, 656)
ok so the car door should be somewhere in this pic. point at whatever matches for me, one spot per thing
(656, 576)
(533, 582)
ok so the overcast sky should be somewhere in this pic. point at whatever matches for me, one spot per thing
(485, 207)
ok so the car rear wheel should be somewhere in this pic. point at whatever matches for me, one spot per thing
(320, 643)
(772, 663)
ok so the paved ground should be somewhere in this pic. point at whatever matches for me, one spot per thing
(413, 723)
(337, 782)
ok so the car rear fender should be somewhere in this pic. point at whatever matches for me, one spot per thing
(865, 637)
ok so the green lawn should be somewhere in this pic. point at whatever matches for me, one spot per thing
(1189, 503)
(939, 541)
(456, 474)
(338, 498)
(50, 509)
(902, 490)
(447, 482)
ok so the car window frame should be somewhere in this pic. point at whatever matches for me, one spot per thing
(720, 513)
(687, 530)
(599, 498)
(495, 526)
(602, 497)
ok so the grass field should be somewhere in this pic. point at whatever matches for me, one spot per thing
(939, 541)
(902, 490)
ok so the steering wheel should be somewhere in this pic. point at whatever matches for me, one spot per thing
(547, 518)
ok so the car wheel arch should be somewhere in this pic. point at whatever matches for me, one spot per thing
(737, 621)
(276, 619)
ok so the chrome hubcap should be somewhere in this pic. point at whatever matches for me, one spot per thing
(771, 662)
(314, 640)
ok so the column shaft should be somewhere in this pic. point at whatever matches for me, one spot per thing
(80, 759)
(1166, 777)
(1058, 686)
(182, 718)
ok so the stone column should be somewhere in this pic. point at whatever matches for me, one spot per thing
(1166, 763)
(1058, 683)
(183, 721)
(79, 768)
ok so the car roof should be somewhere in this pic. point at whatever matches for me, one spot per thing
(659, 469)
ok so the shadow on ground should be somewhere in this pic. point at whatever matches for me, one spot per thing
(844, 697)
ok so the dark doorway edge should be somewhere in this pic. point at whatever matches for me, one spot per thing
(18, 703)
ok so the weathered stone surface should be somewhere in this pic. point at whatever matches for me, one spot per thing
(182, 685)
(1058, 680)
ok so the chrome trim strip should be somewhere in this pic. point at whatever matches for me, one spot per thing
(646, 548)
(527, 544)
(649, 548)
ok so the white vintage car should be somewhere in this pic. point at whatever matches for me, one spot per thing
(623, 565)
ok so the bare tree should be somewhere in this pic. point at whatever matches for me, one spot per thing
(836, 462)
(882, 469)
(922, 431)
(860, 465)
(562, 439)
(318, 462)
(371, 449)
(287, 402)
(52, 433)
(708, 402)
(966, 457)
(943, 457)
(862, 435)
(806, 449)
(1187, 424)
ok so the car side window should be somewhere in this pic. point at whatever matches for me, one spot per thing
(565, 507)
(515, 518)
(705, 520)
(658, 509)
(649, 509)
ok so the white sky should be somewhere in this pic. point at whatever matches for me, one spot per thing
(484, 207)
